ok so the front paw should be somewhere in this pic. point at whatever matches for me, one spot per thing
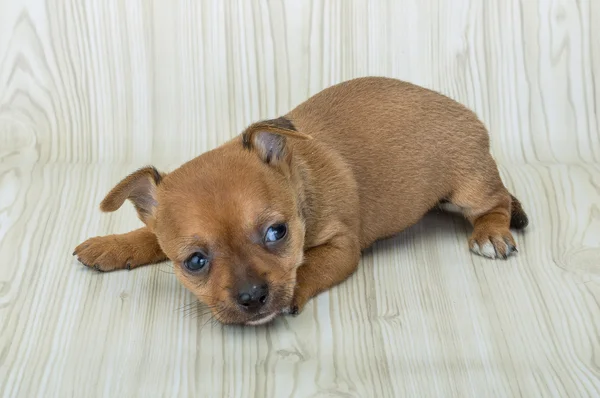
(105, 253)
(291, 310)
(296, 306)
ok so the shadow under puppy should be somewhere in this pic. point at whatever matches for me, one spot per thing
(261, 224)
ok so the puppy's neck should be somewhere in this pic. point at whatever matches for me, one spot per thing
(301, 182)
(305, 182)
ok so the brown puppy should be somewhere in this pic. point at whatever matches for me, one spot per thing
(258, 226)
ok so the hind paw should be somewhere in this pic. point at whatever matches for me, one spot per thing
(493, 245)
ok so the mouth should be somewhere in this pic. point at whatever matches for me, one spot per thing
(261, 319)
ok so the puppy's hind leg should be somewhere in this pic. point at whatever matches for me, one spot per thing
(492, 211)
(123, 251)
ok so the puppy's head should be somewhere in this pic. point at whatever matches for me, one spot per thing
(230, 220)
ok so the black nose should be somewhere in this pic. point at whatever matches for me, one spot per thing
(253, 296)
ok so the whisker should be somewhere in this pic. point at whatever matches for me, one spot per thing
(195, 302)
(188, 307)
(214, 316)
(199, 314)
(196, 309)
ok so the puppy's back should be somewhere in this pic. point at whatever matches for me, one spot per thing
(405, 145)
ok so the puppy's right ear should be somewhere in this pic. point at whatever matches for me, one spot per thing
(140, 188)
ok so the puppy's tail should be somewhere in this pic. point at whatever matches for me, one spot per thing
(518, 217)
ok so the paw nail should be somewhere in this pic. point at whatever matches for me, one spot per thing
(294, 310)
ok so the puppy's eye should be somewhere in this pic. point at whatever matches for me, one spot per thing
(196, 262)
(275, 232)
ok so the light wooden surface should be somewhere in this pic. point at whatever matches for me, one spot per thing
(90, 90)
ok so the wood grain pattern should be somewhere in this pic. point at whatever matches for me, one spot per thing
(90, 90)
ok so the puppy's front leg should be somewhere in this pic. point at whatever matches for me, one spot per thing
(124, 251)
(324, 267)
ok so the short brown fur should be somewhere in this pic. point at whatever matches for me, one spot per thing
(357, 162)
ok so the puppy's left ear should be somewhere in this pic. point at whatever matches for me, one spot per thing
(268, 138)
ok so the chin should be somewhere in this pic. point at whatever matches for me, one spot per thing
(236, 318)
(233, 316)
(264, 319)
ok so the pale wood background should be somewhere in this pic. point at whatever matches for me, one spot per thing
(90, 90)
